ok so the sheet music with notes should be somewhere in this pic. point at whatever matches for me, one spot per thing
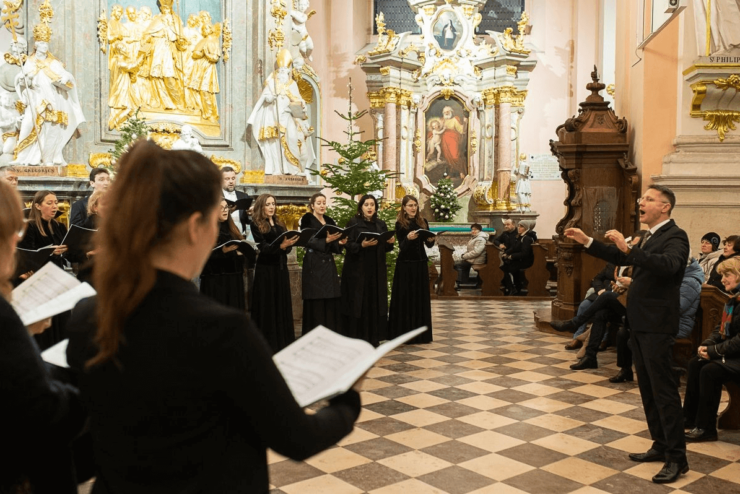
(324, 364)
(50, 291)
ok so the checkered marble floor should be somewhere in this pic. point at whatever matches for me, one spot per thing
(492, 407)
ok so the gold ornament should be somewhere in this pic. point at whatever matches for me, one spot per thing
(284, 59)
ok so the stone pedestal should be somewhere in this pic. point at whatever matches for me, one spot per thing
(495, 219)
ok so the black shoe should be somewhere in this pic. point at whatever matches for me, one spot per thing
(697, 435)
(671, 471)
(622, 376)
(566, 326)
(585, 363)
(648, 456)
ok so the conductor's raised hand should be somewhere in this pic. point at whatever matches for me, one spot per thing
(369, 242)
(332, 237)
(618, 240)
(288, 242)
(577, 235)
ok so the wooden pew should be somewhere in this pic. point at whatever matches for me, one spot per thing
(446, 286)
(433, 277)
(537, 275)
(490, 273)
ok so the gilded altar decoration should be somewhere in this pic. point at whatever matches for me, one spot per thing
(387, 38)
(515, 44)
(9, 15)
(163, 67)
(48, 93)
(11, 108)
(276, 37)
(711, 104)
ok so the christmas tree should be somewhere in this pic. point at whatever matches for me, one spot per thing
(444, 201)
(132, 129)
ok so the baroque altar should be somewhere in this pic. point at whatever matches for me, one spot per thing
(448, 103)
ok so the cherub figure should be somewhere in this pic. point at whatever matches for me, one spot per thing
(299, 16)
(436, 129)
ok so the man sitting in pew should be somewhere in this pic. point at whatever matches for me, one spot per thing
(519, 257)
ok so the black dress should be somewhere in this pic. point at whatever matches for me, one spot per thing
(411, 305)
(272, 307)
(222, 278)
(33, 240)
(321, 289)
(193, 399)
(365, 285)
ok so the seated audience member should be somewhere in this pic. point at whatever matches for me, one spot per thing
(182, 392)
(506, 239)
(599, 284)
(99, 180)
(476, 253)
(690, 298)
(40, 415)
(731, 249)
(519, 257)
(717, 361)
(710, 252)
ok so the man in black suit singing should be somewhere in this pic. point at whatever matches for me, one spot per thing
(652, 310)
(99, 180)
(241, 218)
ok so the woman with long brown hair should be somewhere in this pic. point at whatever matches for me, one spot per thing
(43, 230)
(365, 277)
(321, 289)
(181, 390)
(39, 415)
(222, 278)
(411, 304)
(272, 309)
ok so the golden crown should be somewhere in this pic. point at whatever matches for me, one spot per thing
(42, 31)
(284, 59)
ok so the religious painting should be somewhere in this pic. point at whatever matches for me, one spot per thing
(447, 30)
(446, 149)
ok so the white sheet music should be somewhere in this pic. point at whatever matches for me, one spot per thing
(50, 291)
(323, 364)
(57, 354)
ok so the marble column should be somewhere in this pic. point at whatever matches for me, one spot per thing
(390, 146)
(503, 165)
(377, 115)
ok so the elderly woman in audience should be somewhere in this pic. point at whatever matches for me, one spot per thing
(717, 361)
(710, 252)
(519, 257)
(731, 248)
(182, 392)
(40, 415)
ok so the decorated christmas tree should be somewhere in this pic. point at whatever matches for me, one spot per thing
(131, 130)
(444, 201)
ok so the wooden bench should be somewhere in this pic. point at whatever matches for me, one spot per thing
(446, 286)
(538, 275)
(490, 273)
(730, 417)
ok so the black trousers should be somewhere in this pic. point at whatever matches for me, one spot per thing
(514, 275)
(652, 353)
(463, 271)
(703, 392)
(605, 309)
(624, 354)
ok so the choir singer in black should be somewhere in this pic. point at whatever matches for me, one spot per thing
(411, 305)
(272, 309)
(182, 392)
(365, 277)
(321, 289)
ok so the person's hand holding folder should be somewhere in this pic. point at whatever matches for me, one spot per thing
(289, 242)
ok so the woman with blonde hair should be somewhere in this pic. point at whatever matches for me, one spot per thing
(181, 391)
(411, 305)
(272, 307)
(39, 415)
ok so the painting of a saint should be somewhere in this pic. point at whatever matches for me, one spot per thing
(446, 141)
(447, 30)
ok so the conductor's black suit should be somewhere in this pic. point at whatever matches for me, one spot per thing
(652, 310)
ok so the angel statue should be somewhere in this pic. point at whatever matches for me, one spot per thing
(300, 17)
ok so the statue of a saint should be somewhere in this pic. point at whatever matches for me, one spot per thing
(193, 35)
(299, 16)
(9, 114)
(164, 45)
(280, 123)
(523, 187)
(203, 78)
(123, 98)
(724, 20)
(52, 110)
(187, 141)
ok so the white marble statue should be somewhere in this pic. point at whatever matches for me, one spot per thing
(299, 16)
(187, 141)
(280, 123)
(52, 109)
(724, 22)
(523, 188)
(9, 115)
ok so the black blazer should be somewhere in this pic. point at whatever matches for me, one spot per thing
(411, 250)
(320, 279)
(270, 255)
(195, 401)
(33, 239)
(243, 215)
(655, 293)
(602, 281)
(78, 213)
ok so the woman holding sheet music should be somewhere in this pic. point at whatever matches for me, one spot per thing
(411, 305)
(182, 392)
(272, 308)
(321, 290)
(222, 278)
(364, 276)
(39, 415)
(44, 230)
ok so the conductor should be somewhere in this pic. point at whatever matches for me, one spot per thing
(659, 262)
